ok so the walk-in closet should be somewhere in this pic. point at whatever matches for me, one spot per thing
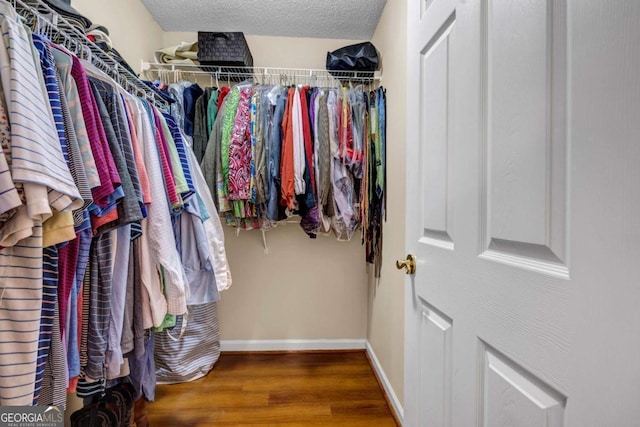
(334, 213)
(270, 182)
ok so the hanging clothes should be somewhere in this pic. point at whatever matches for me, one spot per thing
(275, 210)
(201, 118)
(287, 160)
(38, 164)
(273, 153)
(107, 227)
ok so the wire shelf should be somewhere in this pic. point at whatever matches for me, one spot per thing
(169, 73)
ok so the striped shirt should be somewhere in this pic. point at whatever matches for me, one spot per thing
(83, 240)
(49, 300)
(63, 64)
(103, 161)
(16, 223)
(181, 150)
(132, 301)
(53, 236)
(167, 168)
(76, 161)
(12, 195)
(20, 308)
(161, 240)
(77, 167)
(9, 197)
(54, 381)
(154, 304)
(115, 106)
(84, 301)
(122, 252)
(133, 340)
(136, 133)
(53, 92)
(36, 154)
(38, 162)
(99, 305)
(128, 208)
(141, 170)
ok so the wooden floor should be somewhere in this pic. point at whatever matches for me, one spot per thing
(288, 389)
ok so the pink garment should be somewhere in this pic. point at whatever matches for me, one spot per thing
(167, 170)
(137, 154)
(67, 262)
(240, 150)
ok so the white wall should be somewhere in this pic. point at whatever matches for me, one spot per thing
(132, 29)
(386, 296)
(304, 288)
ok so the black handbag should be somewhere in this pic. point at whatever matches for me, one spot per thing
(355, 57)
(224, 49)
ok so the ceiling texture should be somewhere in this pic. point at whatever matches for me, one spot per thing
(338, 19)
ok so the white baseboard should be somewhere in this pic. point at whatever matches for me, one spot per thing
(292, 345)
(395, 402)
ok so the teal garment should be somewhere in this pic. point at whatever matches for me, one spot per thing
(211, 162)
(174, 160)
(168, 322)
(381, 159)
(212, 110)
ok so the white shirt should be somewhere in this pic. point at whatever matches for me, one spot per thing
(158, 229)
(212, 227)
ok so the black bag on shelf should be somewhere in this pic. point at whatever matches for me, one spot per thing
(224, 49)
(355, 57)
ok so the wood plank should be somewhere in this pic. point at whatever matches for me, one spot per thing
(277, 389)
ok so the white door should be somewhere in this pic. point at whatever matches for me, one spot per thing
(523, 212)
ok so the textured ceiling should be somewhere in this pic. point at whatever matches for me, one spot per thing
(343, 19)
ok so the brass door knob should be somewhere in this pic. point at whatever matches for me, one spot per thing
(408, 264)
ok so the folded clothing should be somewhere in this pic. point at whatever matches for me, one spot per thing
(185, 53)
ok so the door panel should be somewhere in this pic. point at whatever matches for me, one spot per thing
(435, 134)
(511, 396)
(522, 213)
(436, 332)
(525, 138)
(433, 226)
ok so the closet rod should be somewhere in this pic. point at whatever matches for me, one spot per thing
(44, 20)
(271, 74)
